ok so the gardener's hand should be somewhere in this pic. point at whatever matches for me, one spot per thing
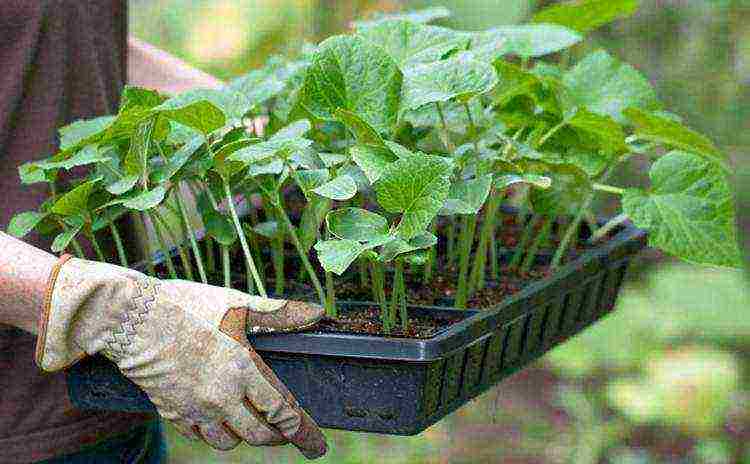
(184, 344)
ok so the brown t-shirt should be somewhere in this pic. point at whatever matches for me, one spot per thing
(60, 60)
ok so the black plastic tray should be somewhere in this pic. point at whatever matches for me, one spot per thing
(402, 386)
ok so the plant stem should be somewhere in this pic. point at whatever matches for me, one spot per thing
(444, 134)
(472, 127)
(608, 188)
(540, 238)
(451, 239)
(184, 258)
(97, 248)
(140, 224)
(225, 266)
(525, 237)
(250, 264)
(466, 239)
(570, 232)
(477, 276)
(431, 257)
(191, 235)
(77, 249)
(550, 133)
(398, 298)
(163, 247)
(378, 278)
(118, 244)
(210, 258)
(255, 243)
(612, 224)
(277, 250)
(303, 255)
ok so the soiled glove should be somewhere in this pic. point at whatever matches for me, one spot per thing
(184, 344)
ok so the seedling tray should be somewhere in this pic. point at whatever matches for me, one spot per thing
(402, 386)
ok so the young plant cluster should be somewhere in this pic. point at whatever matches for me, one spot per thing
(397, 136)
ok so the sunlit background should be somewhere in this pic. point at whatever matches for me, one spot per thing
(666, 379)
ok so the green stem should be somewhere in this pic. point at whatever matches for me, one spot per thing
(225, 266)
(97, 248)
(255, 247)
(429, 266)
(399, 283)
(163, 247)
(608, 188)
(476, 278)
(302, 254)
(472, 127)
(118, 244)
(444, 134)
(570, 233)
(451, 239)
(208, 242)
(612, 224)
(191, 235)
(139, 219)
(525, 237)
(538, 241)
(378, 278)
(494, 263)
(468, 226)
(250, 264)
(184, 258)
(77, 250)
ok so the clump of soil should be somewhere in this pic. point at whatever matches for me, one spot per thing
(367, 321)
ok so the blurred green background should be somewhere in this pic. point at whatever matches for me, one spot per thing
(665, 379)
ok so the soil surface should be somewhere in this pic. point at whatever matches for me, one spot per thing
(367, 321)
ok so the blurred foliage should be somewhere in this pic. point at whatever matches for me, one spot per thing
(666, 378)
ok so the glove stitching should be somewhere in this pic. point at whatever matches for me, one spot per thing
(120, 338)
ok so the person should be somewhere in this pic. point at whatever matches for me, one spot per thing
(183, 343)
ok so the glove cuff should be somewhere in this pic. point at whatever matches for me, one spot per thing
(47, 358)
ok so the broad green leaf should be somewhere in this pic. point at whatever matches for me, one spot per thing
(332, 159)
(372, 160)
(23, 223)
(569, 187)
(671, 133)
(586, 15)
(264, 151)
(310, 179)
(89, 154)
(224, 162)
(398, 246)
(356, 224)
(219, 227)
(275, 166)
(146, 200)
(607, 86)
(257, 87)
(592, 163)
(75, 202)
(268, 229)
(107, 216)
(136, 160)
(604, 129)
(426, 15)
(460, 77)
(506, 180)
(295, 130)
(351, 73)
(123, 185)
(363, 132)
(398, 150)
(201, 115)
(410, 43)
(340, 188)
(313, 216)
(84, 132)
(62, 241)
(467, 196)
(178, 160)
(528, 40)
(31, 173)
(133, 96)
(337, 255)
(688, 211)
(417, 187)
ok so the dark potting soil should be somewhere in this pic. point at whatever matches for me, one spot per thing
(367, 321)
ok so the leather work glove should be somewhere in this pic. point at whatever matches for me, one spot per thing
(184, 344)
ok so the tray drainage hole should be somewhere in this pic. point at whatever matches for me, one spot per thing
(355, 412)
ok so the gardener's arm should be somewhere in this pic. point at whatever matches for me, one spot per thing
(156, 69)
(24, 271)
